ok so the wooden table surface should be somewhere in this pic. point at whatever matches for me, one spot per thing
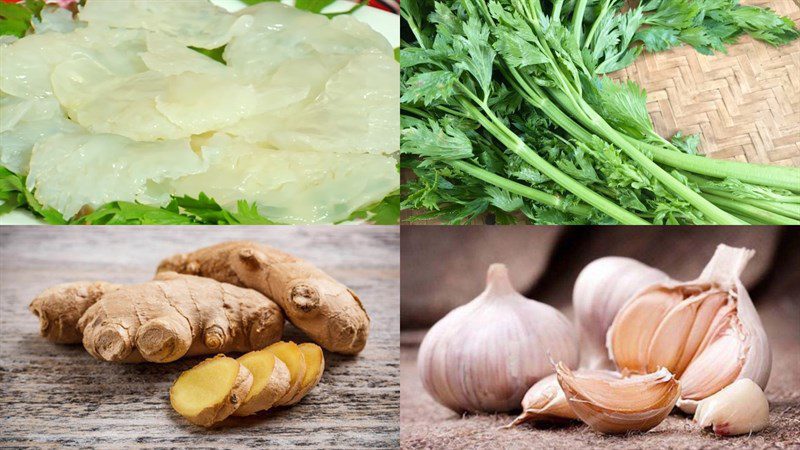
(56, 395)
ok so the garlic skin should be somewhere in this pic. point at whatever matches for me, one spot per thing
(544, 401)
(706, 331)
(616, 406)
(740, 408)
(600, 291)
(483, 356)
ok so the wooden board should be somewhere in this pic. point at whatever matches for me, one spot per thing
(56, 396)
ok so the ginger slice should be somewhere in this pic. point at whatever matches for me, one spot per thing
(315, 365)
(293, 357)
(211, 391)
(271, 381)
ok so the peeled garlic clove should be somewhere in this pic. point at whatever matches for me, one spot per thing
(602, 288)
(544, 401)
(740, 408)
(615, 406)
(634, 328)
(705, 331)
(483, 356)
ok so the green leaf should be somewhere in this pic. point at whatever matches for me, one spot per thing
(247, 214)
(623, 104)
(687, 144)
(503, 199)
(128, 213)
(480, 55)
(215, 53)
(15, 11)
(429, 87)
(13, 191)
(384, 212)
(516, 51)
(435, 142)
(657, 39)
(15, 19)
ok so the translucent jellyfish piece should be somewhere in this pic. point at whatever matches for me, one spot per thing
(192, 22)
(281, 33)
(103, 102)
(69, 171)
(23, 123)
(290, 187)
(352, 110)
(169, 57)
(357, 112)
(28, 63)
(198, 103)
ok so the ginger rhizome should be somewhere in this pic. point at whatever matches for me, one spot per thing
(60, 307)
(161, 320)
(211, 391)
(326, 310)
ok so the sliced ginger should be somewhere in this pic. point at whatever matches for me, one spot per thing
(315, 365)
(211, 391)
(293, 357)
(271, 381)
(279, 375)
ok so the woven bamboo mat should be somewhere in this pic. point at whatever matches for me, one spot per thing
(745, 104)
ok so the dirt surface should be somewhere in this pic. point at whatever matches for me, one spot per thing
(426, 424)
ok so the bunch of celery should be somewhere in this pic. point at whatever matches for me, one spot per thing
(505, 109)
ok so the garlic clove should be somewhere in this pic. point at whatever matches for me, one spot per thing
(544, 401)
(682, 331)
(601, 290)
(485, 355)
(740, 408)
(636, 324)
(614, 406)
(716, 367)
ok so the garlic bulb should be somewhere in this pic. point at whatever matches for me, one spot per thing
(740, 408)
(602, 288)
(706, 331)
(484, 355)
(618, 405)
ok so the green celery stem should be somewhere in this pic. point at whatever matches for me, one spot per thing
(520, 189)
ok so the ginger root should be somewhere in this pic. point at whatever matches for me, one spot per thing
(158, 321)
(211, 391)
(271, 381)
(326, 310)
(60, 307)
